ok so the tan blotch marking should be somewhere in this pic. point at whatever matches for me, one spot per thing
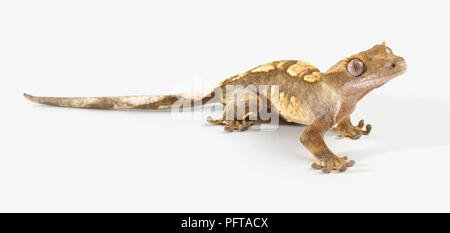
(280, 64)
(264, 68)
(300, 69)
(292, 110)
(294, 100)
(239, 76)
(312, 78)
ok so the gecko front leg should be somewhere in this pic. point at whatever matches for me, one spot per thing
(345, 128)
(312, 139)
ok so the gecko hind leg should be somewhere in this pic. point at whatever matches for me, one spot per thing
(345, 128)
(240, 114)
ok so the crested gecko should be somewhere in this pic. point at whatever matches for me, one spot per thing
(320, 100)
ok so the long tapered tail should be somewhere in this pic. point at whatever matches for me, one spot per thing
(128, 102)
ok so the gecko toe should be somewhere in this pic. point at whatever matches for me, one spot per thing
(368, 129)
(361, 124)
(338, 164)
(228, 128)
(346, 129)
(350, 163)
(326, 170)
(316, 166)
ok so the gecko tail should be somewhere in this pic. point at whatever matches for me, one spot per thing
(160, 102)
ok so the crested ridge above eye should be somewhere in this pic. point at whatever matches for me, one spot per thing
(355, 67)
(389, 50)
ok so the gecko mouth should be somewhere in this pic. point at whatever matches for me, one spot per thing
(369, 84)
(382, 80)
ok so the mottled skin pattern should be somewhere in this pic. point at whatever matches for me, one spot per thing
(307, 96)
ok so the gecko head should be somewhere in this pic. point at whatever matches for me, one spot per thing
(366, 70)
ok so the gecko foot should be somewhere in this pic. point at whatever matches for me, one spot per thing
(340, 164)
(232, 125)
(346, 129)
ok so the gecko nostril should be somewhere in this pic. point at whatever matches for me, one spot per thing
(393, 65)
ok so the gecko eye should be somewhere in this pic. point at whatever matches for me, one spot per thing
(355, 67)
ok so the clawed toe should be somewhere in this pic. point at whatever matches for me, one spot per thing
(360, 130)
(368, 129)
(232, 125)
(228, 128)
(238, 125)
(318, 165)
(346, 129)
(215, 122)
(341, 165)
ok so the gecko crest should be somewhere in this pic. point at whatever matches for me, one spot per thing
(348, 59)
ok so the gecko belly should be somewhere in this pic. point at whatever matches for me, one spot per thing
(292, 110)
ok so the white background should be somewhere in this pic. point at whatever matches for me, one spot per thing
(59, 159)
